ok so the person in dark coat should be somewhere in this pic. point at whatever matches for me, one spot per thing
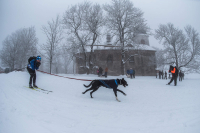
(100, 71)
(31, 67)
(165, 75)
(159, 74)
(133, 73)
(180, 76)
(173, 69)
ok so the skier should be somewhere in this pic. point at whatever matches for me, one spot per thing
(173, 69)
(34, 63)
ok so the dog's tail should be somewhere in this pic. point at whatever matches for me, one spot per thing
(89, 84)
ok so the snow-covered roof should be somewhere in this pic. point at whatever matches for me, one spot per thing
(135, 47)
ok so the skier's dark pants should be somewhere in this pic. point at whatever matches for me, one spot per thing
(175, 80)
(32, 76)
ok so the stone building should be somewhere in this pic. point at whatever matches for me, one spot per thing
(140, 57)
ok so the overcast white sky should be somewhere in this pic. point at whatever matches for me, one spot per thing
(16, 14)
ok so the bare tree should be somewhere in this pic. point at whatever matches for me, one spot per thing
(93, 23)
(124, 21)
(72, 20)
(83, 23)
(28, 43)
(54, 36)
(180, 48)
(17, 47)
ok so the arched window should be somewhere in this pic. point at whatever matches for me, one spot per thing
(142, 41)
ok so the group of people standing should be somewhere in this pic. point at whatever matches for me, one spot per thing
(100, 72)
(174, 72)
(161, 75)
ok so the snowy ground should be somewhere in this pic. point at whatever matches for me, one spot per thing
(149, 107)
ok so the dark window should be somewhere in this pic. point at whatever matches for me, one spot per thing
(131, 59)
(80, 61)
(142, 41)
(110, 58)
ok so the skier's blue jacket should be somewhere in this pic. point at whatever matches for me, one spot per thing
(32, 65)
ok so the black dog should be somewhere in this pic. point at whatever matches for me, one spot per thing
(112, 84)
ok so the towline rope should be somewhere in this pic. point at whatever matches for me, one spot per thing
(63, 76)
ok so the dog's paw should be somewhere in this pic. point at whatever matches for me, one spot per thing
(118, 100)
(83, 92)
(124, 94)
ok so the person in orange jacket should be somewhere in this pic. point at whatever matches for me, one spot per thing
(173, 69)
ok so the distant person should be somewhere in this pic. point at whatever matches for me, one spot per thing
(180, 76)
(165, 75)
(157, 73)
(33, 64)
(128, 73)
(100, 71)
(131, 73)
(106, 72)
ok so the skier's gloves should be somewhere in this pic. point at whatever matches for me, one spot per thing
(38, 64)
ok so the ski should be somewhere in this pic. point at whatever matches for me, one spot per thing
(39, 90)
(42, 89)
(31, 88)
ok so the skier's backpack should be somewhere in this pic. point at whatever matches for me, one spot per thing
(31, 58)
(177, 71)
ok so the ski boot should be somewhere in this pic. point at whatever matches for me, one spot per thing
(30, 86)
(35, 86)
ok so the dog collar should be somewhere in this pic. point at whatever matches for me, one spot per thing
(116, 82)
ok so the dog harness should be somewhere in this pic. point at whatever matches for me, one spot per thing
(107, 84)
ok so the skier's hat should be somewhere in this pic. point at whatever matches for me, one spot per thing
(173, 64)
(38, 58)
